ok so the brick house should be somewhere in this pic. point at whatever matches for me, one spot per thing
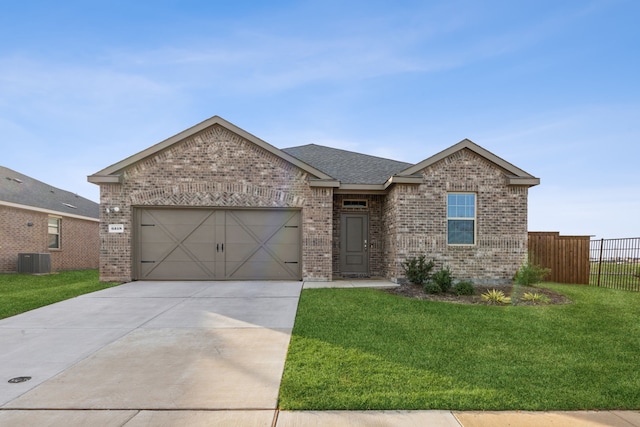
(38, 218)
(217, 203)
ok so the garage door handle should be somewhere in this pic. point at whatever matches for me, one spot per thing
(291, 262)
(219, 247)
(148, 262)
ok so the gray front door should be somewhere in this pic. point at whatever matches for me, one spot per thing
(214, 244)
(354, 240)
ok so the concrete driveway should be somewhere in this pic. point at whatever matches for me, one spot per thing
(150, 353)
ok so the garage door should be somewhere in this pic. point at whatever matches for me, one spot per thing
(207, 244)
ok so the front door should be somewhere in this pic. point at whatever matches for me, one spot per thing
(354, 240)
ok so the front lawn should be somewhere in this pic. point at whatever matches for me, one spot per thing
(368, 349)
(24, 292)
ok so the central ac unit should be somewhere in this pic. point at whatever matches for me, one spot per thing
(34, 263)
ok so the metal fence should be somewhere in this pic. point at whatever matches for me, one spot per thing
(615, 263)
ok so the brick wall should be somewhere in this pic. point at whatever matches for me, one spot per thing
(215, 168)
(415, 221)
(80, 245)
(79, 240)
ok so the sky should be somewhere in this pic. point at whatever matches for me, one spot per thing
(553, 87)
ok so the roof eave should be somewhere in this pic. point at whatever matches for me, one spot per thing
(324, 183)
(105, 179)
(48, 211)
(362, 187)
(523, 181)
(416, 180)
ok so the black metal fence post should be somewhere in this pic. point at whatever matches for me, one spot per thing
(600, 260)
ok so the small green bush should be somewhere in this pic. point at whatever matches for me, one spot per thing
(418, 270)
(495, 297)
(432, 288)
(530, 274)
(464, 287)
(443, 279)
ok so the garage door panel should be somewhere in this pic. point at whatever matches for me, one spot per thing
(190, 254)
(205, 244)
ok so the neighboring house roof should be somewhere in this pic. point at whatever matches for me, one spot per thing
(346, 166)
(22, 190)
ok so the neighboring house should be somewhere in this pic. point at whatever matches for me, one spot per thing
(217, 203)
(38, 218)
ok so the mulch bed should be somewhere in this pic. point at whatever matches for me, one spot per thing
(416, 292)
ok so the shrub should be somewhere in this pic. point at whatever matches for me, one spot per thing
(443, 279)
(530, 274)
(464, 287)
(536, 298)
(432, 287)
(418, 270)
(495, 297)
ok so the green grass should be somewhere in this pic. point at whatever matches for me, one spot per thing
(24, 292)
(366, 349)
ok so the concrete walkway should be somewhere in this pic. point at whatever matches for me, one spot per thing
(187, 354)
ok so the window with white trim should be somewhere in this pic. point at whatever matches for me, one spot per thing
(461, 218)
(54, 232)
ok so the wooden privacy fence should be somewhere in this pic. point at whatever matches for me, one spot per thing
(615, 263)
(566, 256)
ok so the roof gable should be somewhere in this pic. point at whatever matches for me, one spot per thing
(22, 190)
(113, 173)
(516, 175)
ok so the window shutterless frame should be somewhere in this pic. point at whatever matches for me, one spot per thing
(54, 232)
(461, 218)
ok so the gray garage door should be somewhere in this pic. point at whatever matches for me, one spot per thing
(208, 244)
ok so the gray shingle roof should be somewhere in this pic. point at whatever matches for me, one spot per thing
(346, 166)
(21, 189)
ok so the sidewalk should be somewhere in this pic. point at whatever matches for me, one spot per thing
(459, 419)
(271, 418)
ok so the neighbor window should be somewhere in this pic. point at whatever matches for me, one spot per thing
(54, 232)
(461, 218)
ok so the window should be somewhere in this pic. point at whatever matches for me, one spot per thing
(354, 203)
(461, 219)
(54, 232)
